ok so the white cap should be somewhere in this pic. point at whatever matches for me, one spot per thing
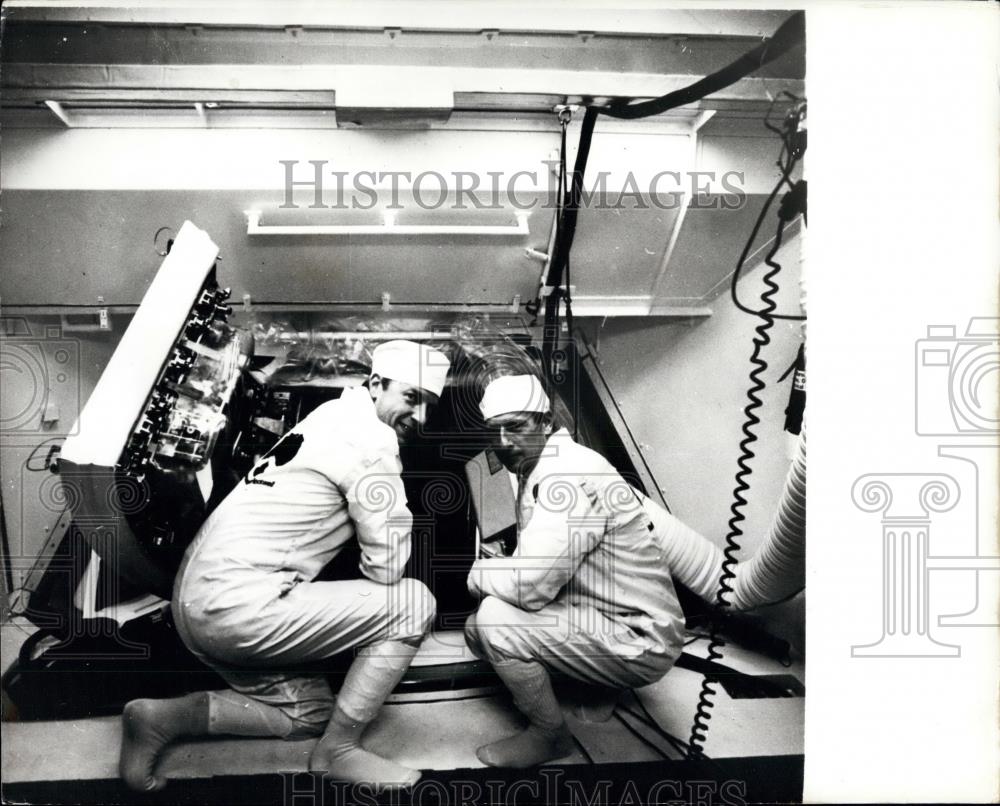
(511, 393)
(412, 363)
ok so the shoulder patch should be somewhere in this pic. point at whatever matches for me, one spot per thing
(286, 448)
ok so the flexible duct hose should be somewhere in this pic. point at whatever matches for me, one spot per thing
(692, 560)
(776, 571)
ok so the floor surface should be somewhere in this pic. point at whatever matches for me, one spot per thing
(438, 735)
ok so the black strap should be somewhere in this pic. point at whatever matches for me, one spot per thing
(564, 242)
(791, 33)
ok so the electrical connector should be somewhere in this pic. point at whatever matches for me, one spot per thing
(793, 203)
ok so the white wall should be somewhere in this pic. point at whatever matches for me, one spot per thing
(682, 388)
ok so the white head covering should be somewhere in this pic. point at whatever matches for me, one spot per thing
(512, 393)
(412, 363)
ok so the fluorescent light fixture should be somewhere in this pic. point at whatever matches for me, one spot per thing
(389, 227)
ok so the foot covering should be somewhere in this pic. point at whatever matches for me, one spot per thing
(150, 725)
(528, 748)
(547, 737)
(595, 703)
(339, 754)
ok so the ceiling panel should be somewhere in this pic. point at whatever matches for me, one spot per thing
(618, 252)
(709, 245)
(99, 236)
(100, 243)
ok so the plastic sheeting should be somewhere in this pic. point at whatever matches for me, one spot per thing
(338, 351)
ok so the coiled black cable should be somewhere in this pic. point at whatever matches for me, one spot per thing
(762, 338)
(791, 205)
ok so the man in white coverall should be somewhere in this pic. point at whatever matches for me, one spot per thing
(246, 604)
(587, 593)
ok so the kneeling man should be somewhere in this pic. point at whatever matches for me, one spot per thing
(246, 604)
(587, 593)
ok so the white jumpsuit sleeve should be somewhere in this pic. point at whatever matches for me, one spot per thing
(550, 548)
(376, 502)
(693, 560)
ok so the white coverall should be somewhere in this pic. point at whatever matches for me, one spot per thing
(244, 600)
(588, 591)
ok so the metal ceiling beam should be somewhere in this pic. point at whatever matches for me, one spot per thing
(170, 110)
(111, 95)
(148, 81)
(512, 16)
(101, 44)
